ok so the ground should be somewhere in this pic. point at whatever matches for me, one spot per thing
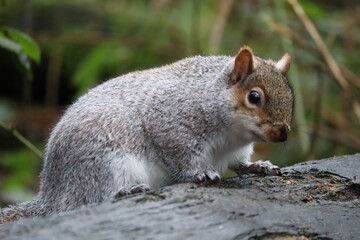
(312, 200)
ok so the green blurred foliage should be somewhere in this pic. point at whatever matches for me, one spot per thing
(100, 59)
(23, 165)
(86, 42)
(19, 171)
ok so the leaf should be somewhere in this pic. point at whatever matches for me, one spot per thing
(29, 46)
(9, 45)
(22, 59)
(23, 46)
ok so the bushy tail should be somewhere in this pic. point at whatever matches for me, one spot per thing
(22, 210)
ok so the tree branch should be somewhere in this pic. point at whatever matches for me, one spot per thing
(333, 66)
(22, 139)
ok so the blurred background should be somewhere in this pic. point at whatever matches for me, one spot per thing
(52, 51)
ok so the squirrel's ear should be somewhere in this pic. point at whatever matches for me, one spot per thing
(283, 64)
(244, 65)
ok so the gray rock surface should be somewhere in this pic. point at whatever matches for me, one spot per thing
(312, 200)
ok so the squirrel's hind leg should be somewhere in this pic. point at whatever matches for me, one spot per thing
(137, 174)
(192, 172)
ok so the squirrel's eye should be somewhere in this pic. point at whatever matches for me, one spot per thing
(254, 97)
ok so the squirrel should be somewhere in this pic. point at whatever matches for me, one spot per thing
(184, 122)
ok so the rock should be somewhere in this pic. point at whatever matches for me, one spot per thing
(312, 200)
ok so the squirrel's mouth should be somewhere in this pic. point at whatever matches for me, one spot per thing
(259, 137)
(271, 133)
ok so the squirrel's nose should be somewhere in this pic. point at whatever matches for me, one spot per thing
(277, 133)
(283, 134)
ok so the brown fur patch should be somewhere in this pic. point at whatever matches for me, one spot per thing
(239, 98)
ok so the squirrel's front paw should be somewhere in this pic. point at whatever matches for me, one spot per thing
(259, 167)
(264, 167)
(132, 190)
(208, 175)
(197, 175)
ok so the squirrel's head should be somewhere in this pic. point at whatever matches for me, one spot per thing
(262, 95)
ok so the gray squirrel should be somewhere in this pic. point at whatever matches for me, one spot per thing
(185, 122)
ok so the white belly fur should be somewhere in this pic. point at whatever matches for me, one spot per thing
(219, 153)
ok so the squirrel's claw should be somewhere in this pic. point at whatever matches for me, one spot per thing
(199, 177)
(212, 175)
(208, 175)
(139, 188)
(132, 190)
